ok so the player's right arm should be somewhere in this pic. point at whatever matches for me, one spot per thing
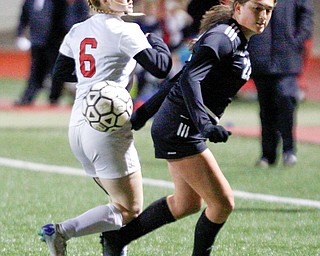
(64, 69)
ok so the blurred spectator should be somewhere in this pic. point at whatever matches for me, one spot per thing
(76, 11)
(196, 9)
(45, 22)
(168, 20)
(149, 23)
(277, 60)
(176, 20)
(302, 81)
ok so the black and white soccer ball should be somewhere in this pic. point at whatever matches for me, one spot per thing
(107, 107)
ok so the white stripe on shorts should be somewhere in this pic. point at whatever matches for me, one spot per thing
(183, 130)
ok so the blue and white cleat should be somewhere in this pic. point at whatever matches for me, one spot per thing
(56, 243)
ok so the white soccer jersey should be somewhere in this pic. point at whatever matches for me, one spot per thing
(103, 48)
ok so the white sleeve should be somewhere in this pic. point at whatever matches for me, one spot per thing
(65, 48)
(133, 40)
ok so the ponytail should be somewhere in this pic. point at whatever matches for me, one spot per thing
(214, 15)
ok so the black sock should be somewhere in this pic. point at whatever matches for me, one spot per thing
(204, 236)
(154, 216)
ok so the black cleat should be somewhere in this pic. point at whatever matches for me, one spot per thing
(110, 244)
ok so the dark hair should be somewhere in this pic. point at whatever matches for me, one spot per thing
(219, 12)
(216, 14)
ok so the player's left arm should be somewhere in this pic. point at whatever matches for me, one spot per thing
(156, 60)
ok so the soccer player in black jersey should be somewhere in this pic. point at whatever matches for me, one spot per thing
(218, 66)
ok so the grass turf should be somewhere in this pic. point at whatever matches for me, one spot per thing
(30, 199)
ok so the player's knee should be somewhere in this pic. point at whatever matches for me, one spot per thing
(227, 205)
(193, 209)
(183, 208)
(181, 212)
(224, 206)
(134, 212)
(130, 214)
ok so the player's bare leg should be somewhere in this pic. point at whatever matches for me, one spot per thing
(201, 175)
(195, 178)
(126, 196)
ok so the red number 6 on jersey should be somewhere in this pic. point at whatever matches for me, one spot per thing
(87, 61)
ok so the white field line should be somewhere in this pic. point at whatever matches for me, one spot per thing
(152, 182)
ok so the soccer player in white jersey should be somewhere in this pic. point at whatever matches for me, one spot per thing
(105, 47)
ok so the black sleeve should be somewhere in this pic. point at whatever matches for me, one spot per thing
(194, 73)
(156, 60)
(64, 69)
(213, 48)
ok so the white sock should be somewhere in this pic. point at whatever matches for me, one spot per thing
(99, 219)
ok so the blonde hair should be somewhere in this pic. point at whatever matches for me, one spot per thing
(95, 6)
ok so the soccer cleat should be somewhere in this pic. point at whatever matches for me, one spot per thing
(289, 159)
(110, 247)
(56, 243)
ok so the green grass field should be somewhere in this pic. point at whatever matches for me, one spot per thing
(31, 198)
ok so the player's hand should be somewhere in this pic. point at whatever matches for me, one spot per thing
(138, 119)
(217, 133)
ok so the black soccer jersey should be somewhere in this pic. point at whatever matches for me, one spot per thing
(218, 67)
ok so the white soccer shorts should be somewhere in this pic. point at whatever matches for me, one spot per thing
(108, 155)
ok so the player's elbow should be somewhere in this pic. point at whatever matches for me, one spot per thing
(156, 63)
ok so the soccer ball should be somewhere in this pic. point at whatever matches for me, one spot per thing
(107, 107)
